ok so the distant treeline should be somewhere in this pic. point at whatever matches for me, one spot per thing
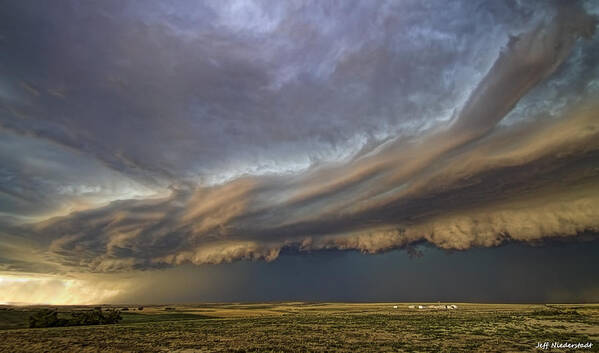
(49, 318)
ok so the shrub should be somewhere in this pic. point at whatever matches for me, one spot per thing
(112, 316)
(49, 318)
(96, 317)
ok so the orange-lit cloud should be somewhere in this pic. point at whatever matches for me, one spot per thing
(55, 290)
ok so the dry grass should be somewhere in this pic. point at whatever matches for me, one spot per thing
(319, 327)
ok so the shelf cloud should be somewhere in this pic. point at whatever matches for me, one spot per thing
(141, 136)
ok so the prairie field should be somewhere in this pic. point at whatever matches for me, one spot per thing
(311, 327)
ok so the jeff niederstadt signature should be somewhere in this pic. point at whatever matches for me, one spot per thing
(551, 345)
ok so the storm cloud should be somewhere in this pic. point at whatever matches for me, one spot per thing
(143, 135)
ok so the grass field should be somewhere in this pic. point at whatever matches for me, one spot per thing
(320, 327)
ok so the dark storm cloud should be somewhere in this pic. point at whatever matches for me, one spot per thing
(238, 88)
(510, 273)
(235, 131)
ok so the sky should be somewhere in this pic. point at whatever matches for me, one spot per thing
(187, 151)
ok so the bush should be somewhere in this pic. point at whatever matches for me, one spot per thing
(112, 316)
(49, 318)
(96, 317)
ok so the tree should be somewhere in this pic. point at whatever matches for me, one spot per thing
(44, 318)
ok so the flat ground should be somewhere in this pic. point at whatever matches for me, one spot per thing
(319, 327)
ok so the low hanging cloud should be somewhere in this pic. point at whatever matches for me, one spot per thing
(228, 145)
